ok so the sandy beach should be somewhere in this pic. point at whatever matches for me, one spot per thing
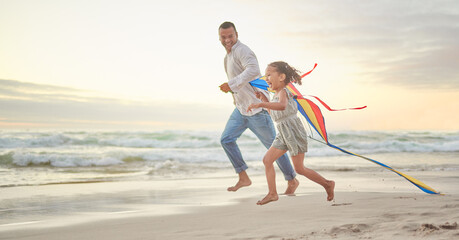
(123, 120)
(379, 205)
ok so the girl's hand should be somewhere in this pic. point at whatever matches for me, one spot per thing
(252, 106)
(261, 96)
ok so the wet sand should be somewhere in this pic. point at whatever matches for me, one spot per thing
(378, 205)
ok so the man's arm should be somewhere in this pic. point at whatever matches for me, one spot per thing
(249, 62)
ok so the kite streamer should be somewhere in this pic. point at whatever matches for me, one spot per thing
(330, 109)
(314, 117)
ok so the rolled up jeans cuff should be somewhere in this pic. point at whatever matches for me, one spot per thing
(240, 169)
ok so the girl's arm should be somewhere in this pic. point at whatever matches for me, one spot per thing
(279, 106)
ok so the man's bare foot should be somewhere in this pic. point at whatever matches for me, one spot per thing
(239, 184)
(268, 198)
(330, 190)
(291, 187)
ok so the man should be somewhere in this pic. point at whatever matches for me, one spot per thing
(241, 66)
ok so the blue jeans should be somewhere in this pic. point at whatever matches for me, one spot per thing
(263, 127)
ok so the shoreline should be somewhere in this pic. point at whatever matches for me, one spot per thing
(367, 215)
(377, 205)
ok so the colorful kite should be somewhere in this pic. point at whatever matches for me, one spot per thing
(316, 120)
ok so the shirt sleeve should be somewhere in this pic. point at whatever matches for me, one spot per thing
(224, 63)
(249, 63)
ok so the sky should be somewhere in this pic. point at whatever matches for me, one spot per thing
(157, 65)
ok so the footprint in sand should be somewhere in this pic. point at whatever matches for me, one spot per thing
(428, 228)
(349, 228)
(449, 226)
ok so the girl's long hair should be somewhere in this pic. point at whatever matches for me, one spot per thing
(291, 74)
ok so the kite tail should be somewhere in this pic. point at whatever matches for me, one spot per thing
(413, 180)
(304, 75)
(318, 99)
(331, 109)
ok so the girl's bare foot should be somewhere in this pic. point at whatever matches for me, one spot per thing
(268, 198)
(330, 190)
(291, 187)
(239, 184)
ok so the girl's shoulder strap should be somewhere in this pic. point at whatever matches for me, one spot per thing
(289, 94)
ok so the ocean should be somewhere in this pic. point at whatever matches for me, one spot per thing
(30, 158)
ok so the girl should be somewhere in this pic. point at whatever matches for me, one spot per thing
(291, 134)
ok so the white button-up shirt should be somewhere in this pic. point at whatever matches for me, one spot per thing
(241, 66)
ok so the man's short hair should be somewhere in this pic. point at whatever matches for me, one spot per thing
(227, 25)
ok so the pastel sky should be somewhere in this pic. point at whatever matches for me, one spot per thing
(154, 65)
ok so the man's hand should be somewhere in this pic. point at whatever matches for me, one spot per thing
(225, 88)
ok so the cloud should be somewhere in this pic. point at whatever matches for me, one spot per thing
(410, 44)
(29, 104)
(40, 92)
